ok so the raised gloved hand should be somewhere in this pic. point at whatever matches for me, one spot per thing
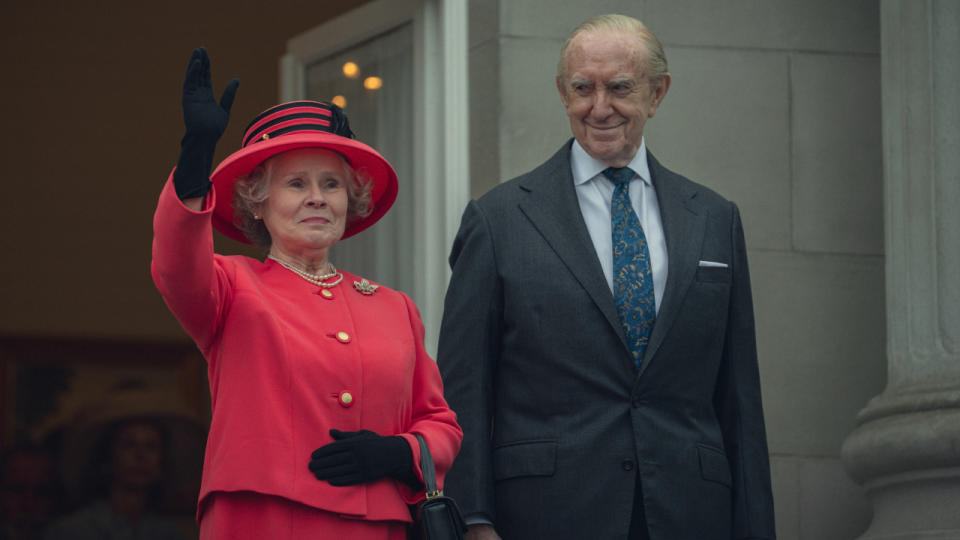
(357, 457)
(205, 121)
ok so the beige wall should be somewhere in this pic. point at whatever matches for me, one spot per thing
(91, 116)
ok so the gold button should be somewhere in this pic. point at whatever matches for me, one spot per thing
(346, 399)
(343, 337)
(326, 293)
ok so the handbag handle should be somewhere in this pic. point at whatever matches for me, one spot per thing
(427, 469)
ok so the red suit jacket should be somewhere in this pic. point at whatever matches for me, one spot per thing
(287, 364)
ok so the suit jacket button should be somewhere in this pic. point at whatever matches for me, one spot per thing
(343, 337)
(627, 464)
(346, 399)
(326, 293)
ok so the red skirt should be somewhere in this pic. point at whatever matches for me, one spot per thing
(244, 515)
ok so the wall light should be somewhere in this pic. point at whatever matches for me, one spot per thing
(339, 101)
(351, 70)
(372, 83)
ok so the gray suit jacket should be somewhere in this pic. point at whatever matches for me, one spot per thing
(557, 422)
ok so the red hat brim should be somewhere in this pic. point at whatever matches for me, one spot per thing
(361, 157)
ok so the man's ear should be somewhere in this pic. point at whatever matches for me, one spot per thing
(659, 93)
(562, 89)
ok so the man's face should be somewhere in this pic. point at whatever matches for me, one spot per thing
(607, 94)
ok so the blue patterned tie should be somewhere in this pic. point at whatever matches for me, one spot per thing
(632, 278)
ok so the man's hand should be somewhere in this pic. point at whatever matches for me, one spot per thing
(481, 532)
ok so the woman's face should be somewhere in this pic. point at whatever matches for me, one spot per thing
(137, 455)
(306, 206)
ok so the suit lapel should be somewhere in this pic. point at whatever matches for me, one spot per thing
(553, 209)
(684, 222)
(552, 206)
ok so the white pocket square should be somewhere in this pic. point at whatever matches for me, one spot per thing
(712, 264)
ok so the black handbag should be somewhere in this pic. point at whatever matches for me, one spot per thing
(438, 517)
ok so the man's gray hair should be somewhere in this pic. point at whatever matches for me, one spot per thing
(656, 61)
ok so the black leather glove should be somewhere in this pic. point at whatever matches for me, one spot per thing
(357, 457)
(205, 121)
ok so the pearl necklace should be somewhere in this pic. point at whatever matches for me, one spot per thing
(316, 279)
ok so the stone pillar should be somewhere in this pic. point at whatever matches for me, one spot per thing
(906, 447)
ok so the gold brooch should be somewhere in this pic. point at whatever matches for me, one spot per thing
(365, 287)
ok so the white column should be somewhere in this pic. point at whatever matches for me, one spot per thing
(906, 448)
(443, 138)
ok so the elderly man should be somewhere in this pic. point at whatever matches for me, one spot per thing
(598, 336)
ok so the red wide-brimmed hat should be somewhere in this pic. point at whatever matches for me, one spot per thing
(294, 125)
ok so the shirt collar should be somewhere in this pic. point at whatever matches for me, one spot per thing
(585, 167)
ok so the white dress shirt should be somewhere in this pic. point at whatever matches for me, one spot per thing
(595, 192)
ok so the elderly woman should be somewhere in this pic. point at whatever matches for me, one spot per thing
(319, 379)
